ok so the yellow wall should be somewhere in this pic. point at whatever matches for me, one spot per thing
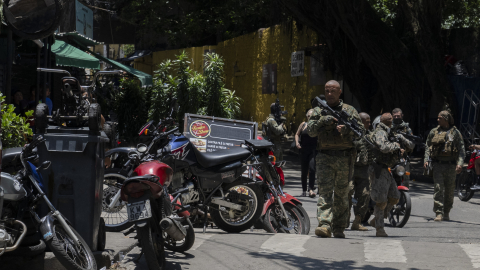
(250, 52)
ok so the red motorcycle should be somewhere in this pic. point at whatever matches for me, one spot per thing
(282, 213)
(150, 209)
(466, 179)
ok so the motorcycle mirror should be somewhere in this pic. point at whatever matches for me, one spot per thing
(142, 148)
(45, 165)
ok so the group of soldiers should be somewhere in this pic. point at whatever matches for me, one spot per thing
(349, 166)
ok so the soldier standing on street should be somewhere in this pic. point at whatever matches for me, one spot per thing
(383, 187)
(402, 126)
(275, 132)
(361, 181)
(334, 163)
(447, 152)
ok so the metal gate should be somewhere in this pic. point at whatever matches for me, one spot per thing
(469, 116)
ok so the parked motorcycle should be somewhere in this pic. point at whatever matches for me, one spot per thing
(400, 213)
(20, 196)
(150, 209)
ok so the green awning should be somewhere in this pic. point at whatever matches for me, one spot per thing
(86, 41)
(67, 55)
(145, 79)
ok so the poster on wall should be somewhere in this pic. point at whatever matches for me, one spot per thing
(210, 134)
(269, 79)
(317, 72)
(298, 63)
(83, 20)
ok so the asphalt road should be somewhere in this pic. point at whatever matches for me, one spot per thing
(421, 244)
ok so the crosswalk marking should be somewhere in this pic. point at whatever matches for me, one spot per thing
(473, 252)
(285, 243)
(384, 251)
(200, 238)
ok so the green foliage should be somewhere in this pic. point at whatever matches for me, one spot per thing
(214, 83)
(162, 93)
(230, 104)
(129, 105)
(128, 49)
(16, 130)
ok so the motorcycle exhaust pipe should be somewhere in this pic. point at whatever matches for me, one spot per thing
(173, 228)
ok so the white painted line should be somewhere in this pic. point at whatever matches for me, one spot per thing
(473, 251)
(384, 251)
(285, 243)
(200, 238)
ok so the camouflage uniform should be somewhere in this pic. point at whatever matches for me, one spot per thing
(404, 128)
(275, 135)
(360, 185)
(383, 187)
(444, 165)
(334, 164)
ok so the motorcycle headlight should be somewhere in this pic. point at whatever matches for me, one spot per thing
(400, 170)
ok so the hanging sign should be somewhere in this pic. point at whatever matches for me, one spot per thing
(298, 60)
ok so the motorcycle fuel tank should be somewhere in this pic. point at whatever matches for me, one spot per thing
(14, 191)
(160, 169)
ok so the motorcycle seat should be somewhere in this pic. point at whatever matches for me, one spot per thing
(259, 144)
(210, 159)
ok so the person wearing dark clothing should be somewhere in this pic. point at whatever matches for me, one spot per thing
(19, 104)
(307, 146)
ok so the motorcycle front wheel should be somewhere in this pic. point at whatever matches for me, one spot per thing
(306, 218)
(116, 218)
(235, 221)
(273, 221)
(464, 182)
(400, 213)
(71, 255)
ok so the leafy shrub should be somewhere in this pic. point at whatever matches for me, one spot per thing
(16, 130)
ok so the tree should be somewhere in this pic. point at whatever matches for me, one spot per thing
(390, 52)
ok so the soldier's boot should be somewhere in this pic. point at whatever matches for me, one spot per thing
(381, 233)
(338, 233)
(357, 225)
(323, 232)
(372, 222)
(446, 216)
(438, 218)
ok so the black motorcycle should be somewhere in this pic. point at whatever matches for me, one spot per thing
(20, 196)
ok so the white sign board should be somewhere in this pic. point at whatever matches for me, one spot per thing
(298, 63)
(84, 20)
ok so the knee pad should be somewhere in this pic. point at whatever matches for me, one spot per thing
(381, 205)
(392, 201)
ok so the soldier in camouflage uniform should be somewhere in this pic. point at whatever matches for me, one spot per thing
(361, 182)
(383, 188)
(334, 163)
(275, 133)
(445, 148)
(402, 126)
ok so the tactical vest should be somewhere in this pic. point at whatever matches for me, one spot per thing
(330, 138)
(389, 159)
(443, 144)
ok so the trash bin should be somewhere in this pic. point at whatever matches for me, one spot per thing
(74, 181)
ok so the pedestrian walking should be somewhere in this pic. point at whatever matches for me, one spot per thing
(308, 150)
(446, 151)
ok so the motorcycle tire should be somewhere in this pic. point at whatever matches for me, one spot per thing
(41, 121)
(222, 224)
(406, 204)
(59, 237)
(28, 251)
(306, 218)
(187, 242)
(94, 118)
(152, 246)
(273, 225)
(110, 223)
(464, 180)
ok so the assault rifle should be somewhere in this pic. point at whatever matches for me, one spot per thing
(417, 140)
(342, 117)
(279, 112)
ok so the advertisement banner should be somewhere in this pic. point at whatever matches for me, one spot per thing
(210, 134)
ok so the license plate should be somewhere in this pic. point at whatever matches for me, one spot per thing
(139, 210)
